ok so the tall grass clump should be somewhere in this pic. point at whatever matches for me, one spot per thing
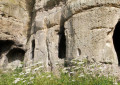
(80, 72)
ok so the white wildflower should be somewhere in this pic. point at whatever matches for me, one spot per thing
(33, 72)
(24, 81)
(20, 66)
(13, 69)
(14, 75)
(115, 83)
(21, 73)
(36, 69)
(99, 64)
(80, 63)
(37, 63)
(65, 71)
(29, 82)
(92, 65)
(81, 75)
(16, 80)
(77, 68)
(41, 66)
(89, 73)
(73, 80)
(67, 68)
(92, 70)
(28, 71)
(31, 78)
(42, 76)
(48, 76)
(72, 61)
(71, 72)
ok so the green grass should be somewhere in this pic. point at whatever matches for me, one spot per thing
(45, 79)
(77, 74)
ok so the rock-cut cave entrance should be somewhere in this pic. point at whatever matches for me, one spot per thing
(11, 53)
(62, 43)
(15, 54)
(5, 45)
(116, 41)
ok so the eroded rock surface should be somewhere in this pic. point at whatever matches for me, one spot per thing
(55, 31)
(14, 30)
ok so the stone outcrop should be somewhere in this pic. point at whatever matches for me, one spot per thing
(55, 31)
(14, 27)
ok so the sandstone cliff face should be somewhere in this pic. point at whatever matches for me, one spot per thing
(55, 31)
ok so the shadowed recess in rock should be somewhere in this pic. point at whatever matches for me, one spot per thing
(62, 44)
(52, 3)
(5, 45)
(15, 54)
(33, 48)
(116, 41)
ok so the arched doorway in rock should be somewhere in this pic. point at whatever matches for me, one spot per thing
(15, 54)
(62, 43)
(116, 40)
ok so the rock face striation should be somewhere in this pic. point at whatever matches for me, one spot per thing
(56, 31)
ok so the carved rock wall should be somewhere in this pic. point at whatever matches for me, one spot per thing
(14, 30)
(89, 29)
(55, 31)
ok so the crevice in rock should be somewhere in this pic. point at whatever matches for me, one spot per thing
(30, 7)
(5, 45)
(49, 60)
(33, 48)
(62, 43)
(106, 63)
(101, 27)
(116, 41)
(15, 54)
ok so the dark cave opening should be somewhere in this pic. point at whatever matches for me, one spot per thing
(5, 45)
(33, 48)
(15, 54)
(62, 44)
(116, 41)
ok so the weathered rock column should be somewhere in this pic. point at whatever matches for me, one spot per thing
(89, 30)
